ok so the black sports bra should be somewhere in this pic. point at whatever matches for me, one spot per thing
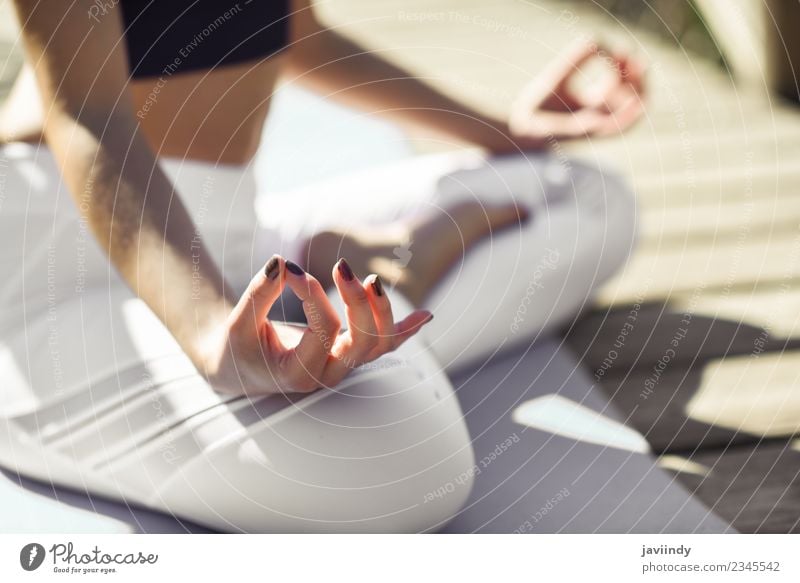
(166, 37)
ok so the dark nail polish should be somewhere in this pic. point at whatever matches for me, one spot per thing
(377, 285)
(272, 268)
(345, 270)
(294, 268)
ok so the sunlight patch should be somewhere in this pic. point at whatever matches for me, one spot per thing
(561, 416)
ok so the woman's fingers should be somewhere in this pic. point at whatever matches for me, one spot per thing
(305, 364)
(628, 76)
(352, 352)
(250, 313)
(409, 326)
(631, 71)
(567, 125)
(361, 342)
(622, 118)
(384, 319)
(550, 88)
(361, 328)
(628, 81)
(564, 67)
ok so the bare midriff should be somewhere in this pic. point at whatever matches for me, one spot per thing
(214, 116)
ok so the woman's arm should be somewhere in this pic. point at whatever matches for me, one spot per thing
(133, 211)
(546, 110)
(336, 67)
(81, 71)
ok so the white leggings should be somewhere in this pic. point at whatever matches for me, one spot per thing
(96, 395)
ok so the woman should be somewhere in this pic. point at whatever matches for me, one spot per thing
(130, 381)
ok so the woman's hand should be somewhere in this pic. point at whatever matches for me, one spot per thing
(248, 354)
(550, 109)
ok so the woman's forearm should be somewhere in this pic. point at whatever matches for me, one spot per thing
(82, 81)
(141, 223)
(340, 69)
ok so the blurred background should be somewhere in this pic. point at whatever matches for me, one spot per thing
(710, 373)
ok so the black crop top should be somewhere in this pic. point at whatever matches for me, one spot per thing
(166, 37)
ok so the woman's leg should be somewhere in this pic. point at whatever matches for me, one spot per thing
(514, 284)
(388, 451)
(97, 396)
(524, 282)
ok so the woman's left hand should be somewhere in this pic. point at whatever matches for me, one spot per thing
(550, 109)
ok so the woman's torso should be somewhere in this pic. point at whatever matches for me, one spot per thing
(200, 83)
(215, 116)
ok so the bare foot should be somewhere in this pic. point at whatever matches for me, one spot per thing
(411, 256)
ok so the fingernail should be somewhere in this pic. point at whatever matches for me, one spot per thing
(272, 268)
(377, 285)
(345, 270)
(294, 268)
(428, 319)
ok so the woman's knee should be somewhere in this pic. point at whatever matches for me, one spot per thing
(387, 452)
(522, 282)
